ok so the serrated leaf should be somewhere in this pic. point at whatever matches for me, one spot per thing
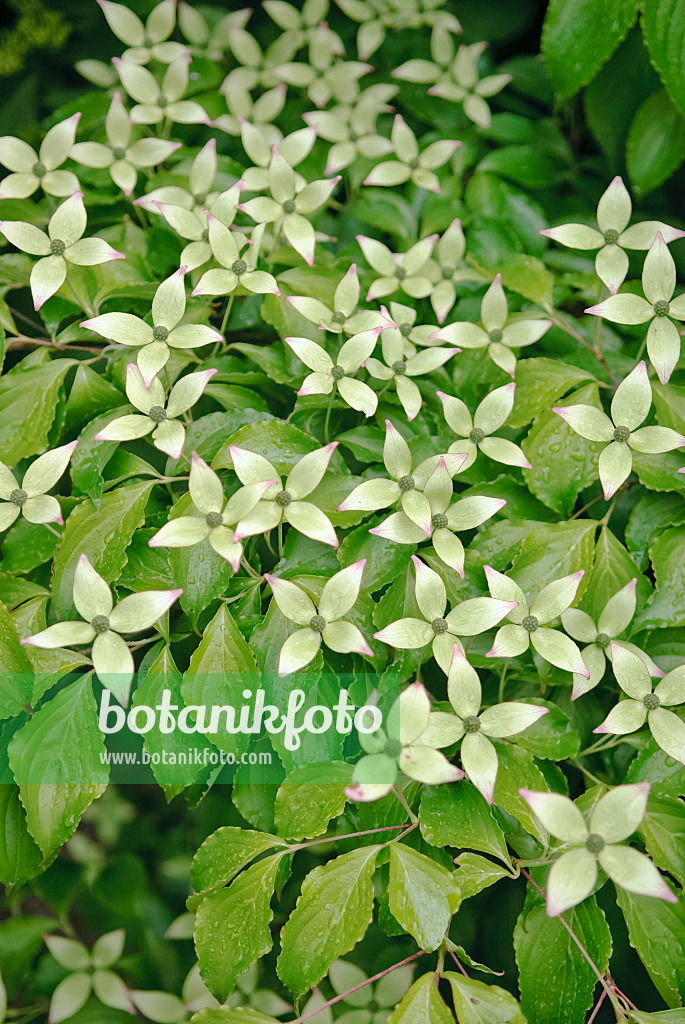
(309, 797)
(663, 830)
(657, 932)
(422, 895)
(457, 815)
(478, 1003)
(578, 37)
(552, 551)
(28, 403)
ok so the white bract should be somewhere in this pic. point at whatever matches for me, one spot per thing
(200, 194)
(294, 148)
(30, 499)
(155, 102)
(194, 226)
(324, 76)
(528, 624)
(63, 244)
(407, 271)
(326, 624)
(629, 407)
(89, 971)
(256, 66)
(329, 376)
(612, 820)
(258, 113)
(474, 728)
(103, 625)
(159, 417)
(446, 269)
(614, 236)
(31, 170)
(371, 1004)
(644, 705)
(401, 746)
(475, 431)
(659, 308)
(398, 369)
(499, 332)
(343, 316)
(166, 331)
(411, 164)
(469, 618)
(401, 325)
(614, 619)
(239, 272)
(149, 41)
(216, 514)
(284, 501)
(352, 128)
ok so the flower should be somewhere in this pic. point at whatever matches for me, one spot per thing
(491, 414)
(630, 405)
(344, 315)
(195, 226)
(294, 148)
(400, 370)
(256, 66)
(613, 620)
(499, 333)
(659, 307)
(149, 41)
(412, 165)
(154, 342)
(62, 245)
(123, 158)
(302, 24)
(326, 624)
(613, 214)
(323, 76)
(446, 269)
(402, 325)
(437, 628)
(30, 499)
(528, 623)
(239, 271)
(103, 625)
(329, 376)
(404, 270)
(200, 195)
(478, 754)
(613, 819)
(89, 971)
(216, 514)
(156, 103)
(159, 419)
(644, 705)
(352, 128)
(284, 501)
(31, 170)
(257, 113)
(288, 202)
(370, 1004)
(400, 746)
(446, 518)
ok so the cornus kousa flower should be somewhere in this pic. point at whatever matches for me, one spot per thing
(371, 1004)
(478, 754)
(31, 170)
(476, 615)
(159, 417)
(399, 370)
(293, 148)
(89, 971)
(629, 407)
(283, 501)
(239, 272)
(474, 431)
(499, 332)
(103, 625)
(411, 164)
(216, 514)
(445, 269)
(157, 103)
(287, 204)
(614, 236)
(256, 66)
(401, 326)
(613, 620)
(446, 519)
(659, 308)
(324, 77)
(123, 157)
(149, 41)
(528, 624)
(352, 128)
(645, 705)
(195, 226)
(155, 341)
(63, 244)
(258, 113)
(338, 376)
(30, 499)
(301, 23)
(612, 820)
(343, 316)
(406, 271)
(326, 625)
(200, 195)
(401, 746)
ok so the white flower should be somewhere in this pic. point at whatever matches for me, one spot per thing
(156, 103)
(147, 41)
(404, 270)
(30, 499)
(410, 163)
(31, 170)
(328, 375)
(344, 315)
(239, 271)
(475, 431)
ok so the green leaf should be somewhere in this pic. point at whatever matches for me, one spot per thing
(663, 28)
(309, 797)
(498, 545)
(279, 442)
(476, 873)
(48, 666)
(225, 852)
(657, 932)
(422, 895)
(663, 830)
(555, 979)
(660, 472)
(457, 815)
(664, 774)
(330, 918)
(552, 736)
(650, 517)
(198, 570)
(540, 382)
(612, 568)
(232, 927)
(669, 405)
(667, 608)
(478, 1003)
(422, 1005)
(529, 277)
(20, 858)
(552, 551)
(16, 670)
(28, 404)
(101, 531)
(579, 36)
(526, 165)
(20, 939)
(517, 770)
(385, 559)
(232, 1015)
(656, 143)
(90, 395)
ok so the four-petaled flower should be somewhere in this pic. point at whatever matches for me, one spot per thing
(194, 225)
(400, 746)
(156, 103)
(239, 271)
(630, 405)
(372, 1004)
(352, 129)
(31, 170)
(343, 316)
(294, 148)
(339, 375)
(407, 271)
(446, 269)
(149, 41)
(200, 195)
(323, 625)
(492, 413)
(612, 820)
(400, 370)
(411, 164)
(30, 499)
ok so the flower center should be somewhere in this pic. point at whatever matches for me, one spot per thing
(283, 498)
(205, 235)
(439, 521)
(373, 1006)
(476, 435)
(289, 206)
(39, 169)
(530, 623)
(157, 414)
(162, 102)
(160, 333)
(439, 626)
(200, 198)
(407, 483)
(621, 433)
(603, 640)
(337, 373)
(447, 273)
(651, 702)
(214, 519)
(400, 273)
(57, 247)
(18, 496)
(338, 317)
(393, 748)
(594, 843)
(119, 153)
(239, 267)
(100, 624)
(399, 368)
(147, 41)
(661, 307)
(495, 335)
(317, 623)
(405, 329)
(471, 724)
(611, 236)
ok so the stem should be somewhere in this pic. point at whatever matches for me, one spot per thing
(280, 539)
(598, 1007)
(601, 745)
(459, 964)
(586, 773)
(227, 313)
(502, 681)
(246, 565)
(327, 421)
(400, 796)
(580, 511)
(349, 835)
